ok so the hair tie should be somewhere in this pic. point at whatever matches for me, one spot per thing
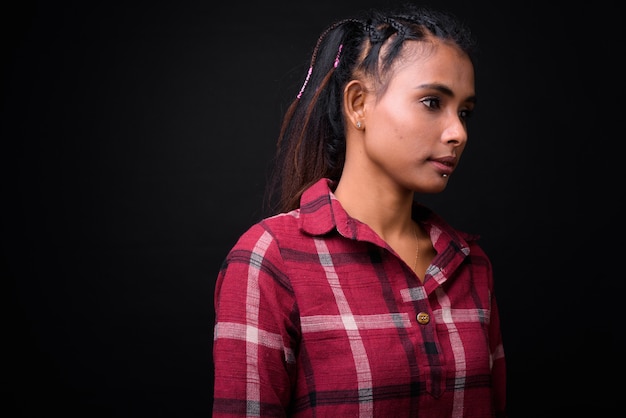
(306, 80)
(337, 57)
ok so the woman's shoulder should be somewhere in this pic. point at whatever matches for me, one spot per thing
(275, 228)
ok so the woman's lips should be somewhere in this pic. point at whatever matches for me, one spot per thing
(444, 165)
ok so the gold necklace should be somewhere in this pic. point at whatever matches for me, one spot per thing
(417, 253)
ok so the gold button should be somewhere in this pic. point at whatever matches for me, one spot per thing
(423, 318)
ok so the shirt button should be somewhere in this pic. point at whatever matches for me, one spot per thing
(423, 318)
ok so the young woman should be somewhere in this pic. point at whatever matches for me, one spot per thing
(354, 300)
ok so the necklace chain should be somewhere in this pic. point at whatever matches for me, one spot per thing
(417, 252)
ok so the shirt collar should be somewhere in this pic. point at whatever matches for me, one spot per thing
(321, 213)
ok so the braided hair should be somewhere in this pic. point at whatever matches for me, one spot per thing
(312, 143)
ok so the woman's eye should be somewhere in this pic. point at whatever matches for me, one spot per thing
(432, 103)
(465, 114)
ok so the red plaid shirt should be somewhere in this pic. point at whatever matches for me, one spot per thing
(317, 316)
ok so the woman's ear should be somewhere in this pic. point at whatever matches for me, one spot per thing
(354, 103)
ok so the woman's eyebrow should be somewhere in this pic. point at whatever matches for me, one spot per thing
(444, 89)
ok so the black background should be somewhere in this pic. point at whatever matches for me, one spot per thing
(135, 142)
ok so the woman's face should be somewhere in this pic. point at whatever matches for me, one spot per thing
(415, 130)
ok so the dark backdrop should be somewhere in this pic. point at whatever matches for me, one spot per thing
(135, 142)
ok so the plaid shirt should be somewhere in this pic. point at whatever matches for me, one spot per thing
(317, 316)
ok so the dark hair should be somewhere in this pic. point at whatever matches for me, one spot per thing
(311, 143)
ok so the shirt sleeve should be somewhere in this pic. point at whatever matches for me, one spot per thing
(498, 362)
(498, 370)
(254, 335)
